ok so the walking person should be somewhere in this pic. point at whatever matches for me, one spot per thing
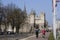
(37, 31)
(43, 33)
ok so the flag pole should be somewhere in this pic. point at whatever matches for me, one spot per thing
(54, 19)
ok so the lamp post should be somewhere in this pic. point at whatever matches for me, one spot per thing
(54, 19)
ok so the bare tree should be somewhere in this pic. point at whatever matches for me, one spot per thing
(13, 15)
(16, 17)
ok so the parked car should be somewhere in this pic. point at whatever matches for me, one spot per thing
(1, 33)
(10, 32)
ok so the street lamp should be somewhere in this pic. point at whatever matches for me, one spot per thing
(54, 19)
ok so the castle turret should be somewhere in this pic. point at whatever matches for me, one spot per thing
(24, 9)
(32, 17)
(42, 19)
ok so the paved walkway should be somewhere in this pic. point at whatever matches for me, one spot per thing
(39, 38)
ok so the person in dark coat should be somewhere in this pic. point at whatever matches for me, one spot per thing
(37, 32)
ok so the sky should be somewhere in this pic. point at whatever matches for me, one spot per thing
(37, 5)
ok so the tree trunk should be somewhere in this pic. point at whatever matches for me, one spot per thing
(17, 28)
(5, 27)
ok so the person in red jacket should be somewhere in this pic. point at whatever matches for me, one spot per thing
(43, 32)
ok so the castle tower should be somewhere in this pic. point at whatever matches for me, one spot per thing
(32, 20)
(32, 17)
(42, 16)
(24, 8)
(42, 20)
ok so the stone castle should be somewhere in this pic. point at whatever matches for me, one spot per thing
(31, 21)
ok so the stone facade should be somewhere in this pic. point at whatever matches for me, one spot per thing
(31, 19)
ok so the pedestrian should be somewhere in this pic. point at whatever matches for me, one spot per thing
(43, 32)
(37, 32)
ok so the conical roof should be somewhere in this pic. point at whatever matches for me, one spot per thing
(32, 12)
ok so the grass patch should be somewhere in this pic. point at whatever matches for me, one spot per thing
(51, 36)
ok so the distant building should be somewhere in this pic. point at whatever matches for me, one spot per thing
(58, 23)
(50, 27)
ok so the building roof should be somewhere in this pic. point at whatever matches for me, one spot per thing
(32, 12)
